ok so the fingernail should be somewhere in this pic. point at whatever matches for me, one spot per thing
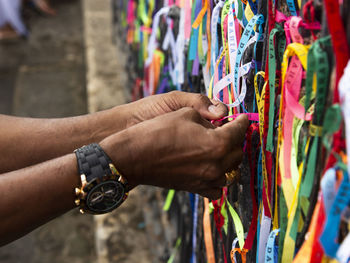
(215, 110)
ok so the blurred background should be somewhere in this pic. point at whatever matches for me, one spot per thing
(59, 58)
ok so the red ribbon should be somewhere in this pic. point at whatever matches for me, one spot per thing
(219, 221)
(254, 128)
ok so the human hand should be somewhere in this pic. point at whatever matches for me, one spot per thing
(179, 150)
(156, 105)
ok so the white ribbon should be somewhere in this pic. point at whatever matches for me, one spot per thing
(214, 24)
(229, 79)
(344, 94)
(263, 236)
(180, 46)
(152, 45)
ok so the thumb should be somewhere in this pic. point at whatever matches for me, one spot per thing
(217, 110)
(234, 131)
(208, 109)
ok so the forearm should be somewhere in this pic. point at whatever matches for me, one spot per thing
(32, 196)
(28, 141)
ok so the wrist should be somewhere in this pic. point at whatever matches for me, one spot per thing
(130, 114)
(107, 122)
(117, 147)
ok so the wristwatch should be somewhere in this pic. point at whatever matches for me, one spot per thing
(102, 187)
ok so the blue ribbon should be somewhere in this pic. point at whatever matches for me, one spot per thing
(291, 7)
(248, 31)
(253, 7)
(270, 247)
(194, 230)
(330, 232)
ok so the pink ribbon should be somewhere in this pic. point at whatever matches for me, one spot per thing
(251, 117)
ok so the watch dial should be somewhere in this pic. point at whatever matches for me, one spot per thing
(105, 196)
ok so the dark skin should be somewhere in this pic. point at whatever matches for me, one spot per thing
(164, 140)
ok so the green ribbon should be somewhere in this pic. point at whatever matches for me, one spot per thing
(283, 220)
(238, 224)
(321, 69)
(239, 13)
(223, 212)
(279, 32)
(176, 248)
(331, 124)
(190, 62)
(141, 12)
(332, 121)
(169, 200)
(137, 32)
(318, 65)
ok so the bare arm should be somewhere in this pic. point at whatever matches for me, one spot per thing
(28, 141)
(189, 154)
(195, 161)
(32, 196)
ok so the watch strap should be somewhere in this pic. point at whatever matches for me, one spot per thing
(93, 162)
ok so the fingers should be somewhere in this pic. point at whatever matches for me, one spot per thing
(228, 152)
(232, 160)
(230, 163)
(208, 109)
(233, 133)
(193, 115)
(219, 182)
(217, 108)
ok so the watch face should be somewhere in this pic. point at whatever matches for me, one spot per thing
(105, 196)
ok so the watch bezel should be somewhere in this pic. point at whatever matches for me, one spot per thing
(88, 187)
(96, 184)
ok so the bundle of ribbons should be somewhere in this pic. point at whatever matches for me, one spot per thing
(284, 64)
